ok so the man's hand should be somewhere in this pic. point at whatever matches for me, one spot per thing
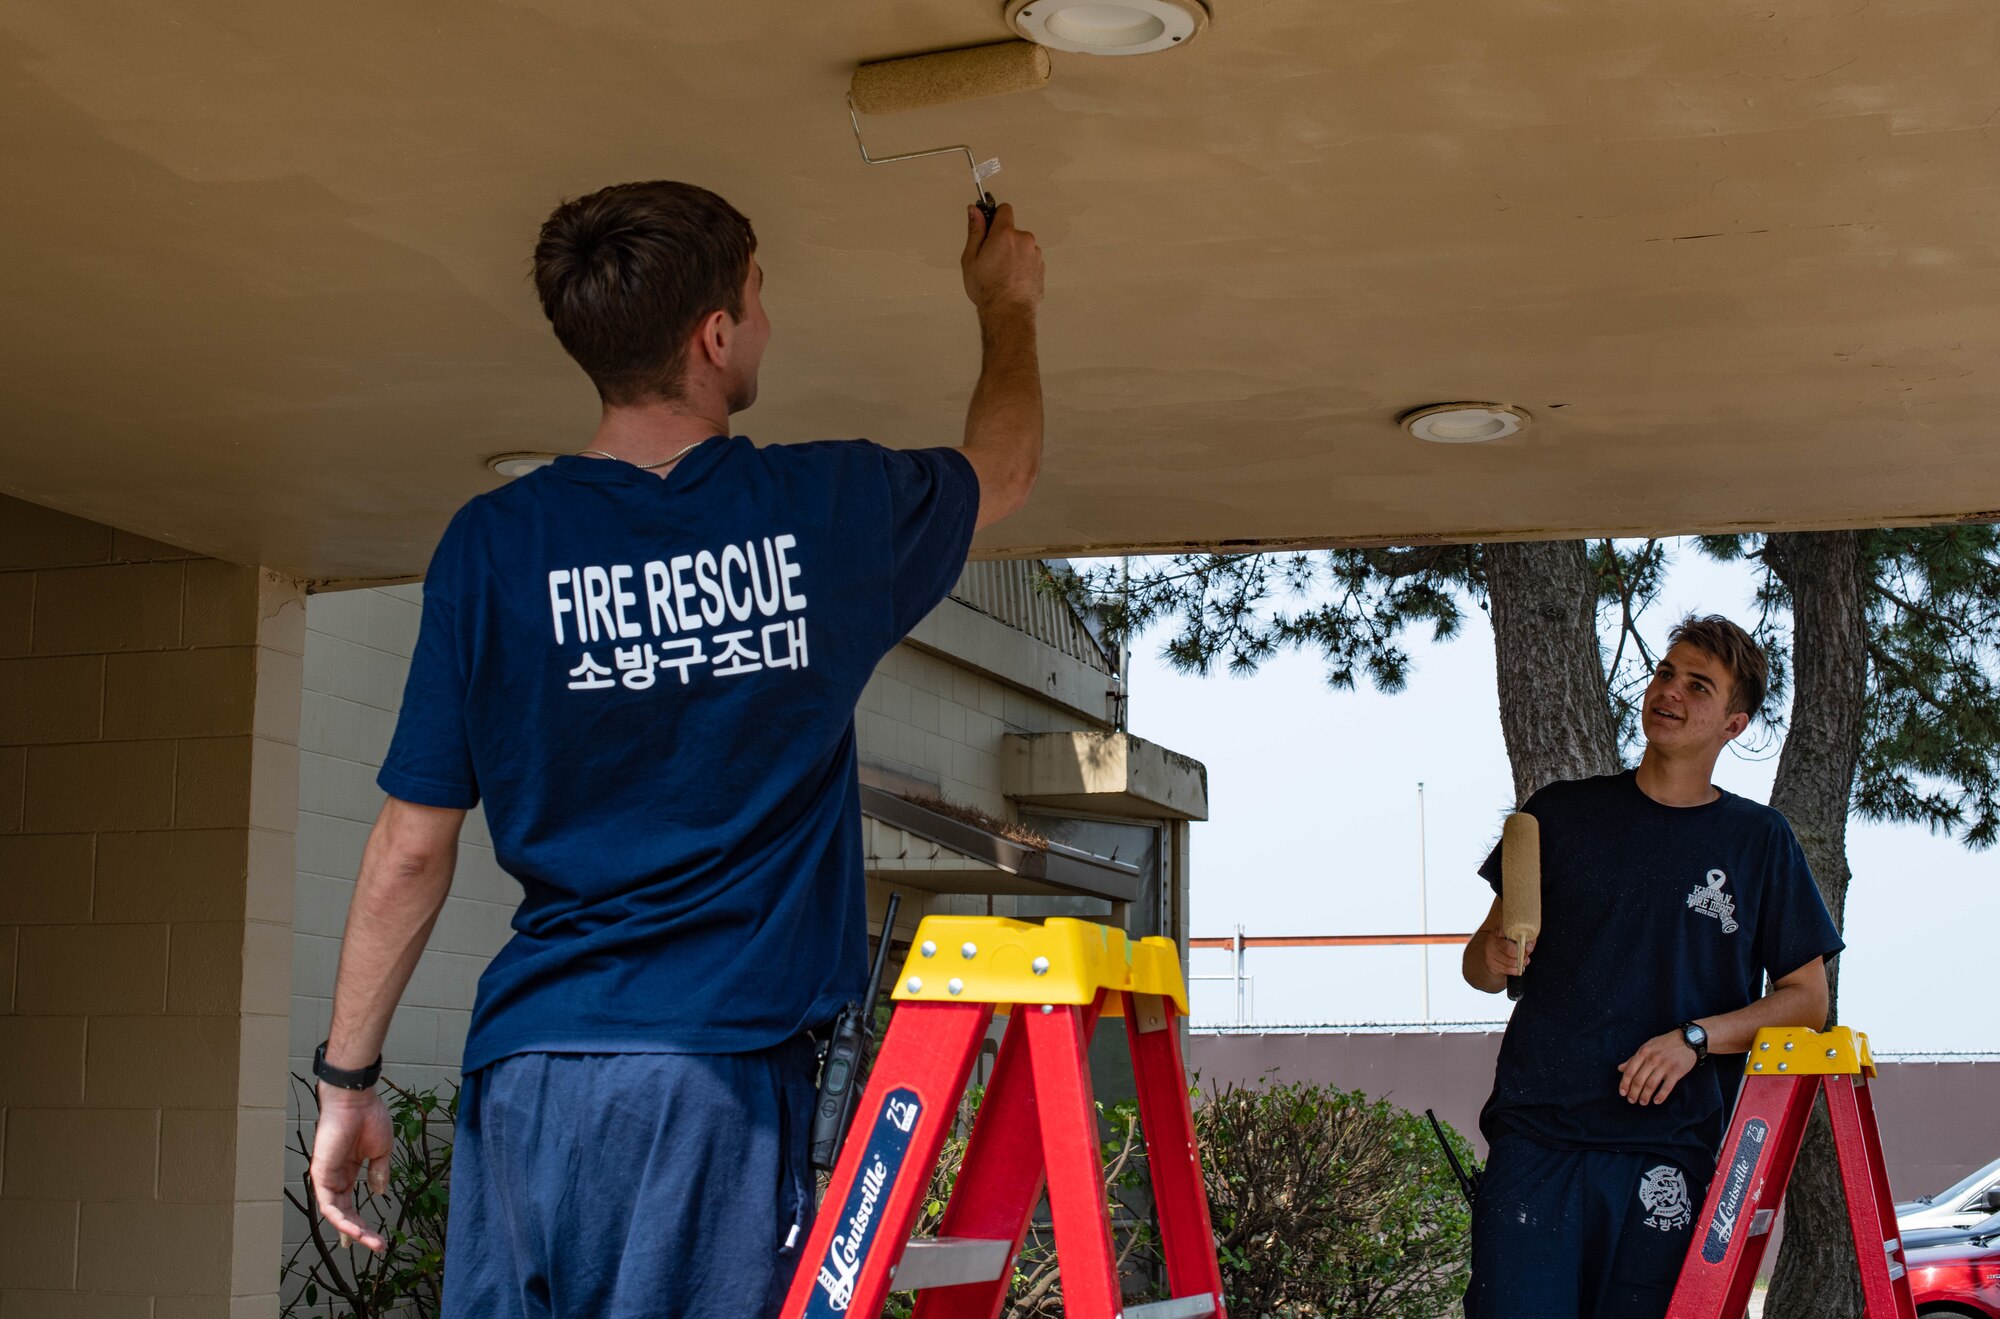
(354, 1128)
(1490, 956)
(1504, 957)
(1002, 265)
(1649, 1075)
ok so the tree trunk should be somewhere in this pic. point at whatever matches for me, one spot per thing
(1553, 711)
(1815, 1276)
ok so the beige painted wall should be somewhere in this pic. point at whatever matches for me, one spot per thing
(148, 771)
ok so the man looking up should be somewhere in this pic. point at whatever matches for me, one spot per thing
(1666, 902)
(645, 660)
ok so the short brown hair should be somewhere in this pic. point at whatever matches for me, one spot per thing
(627, 273)
(1749, 670)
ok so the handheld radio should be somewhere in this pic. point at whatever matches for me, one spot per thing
(845, 1057)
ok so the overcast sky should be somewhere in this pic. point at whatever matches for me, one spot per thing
(1313, 830)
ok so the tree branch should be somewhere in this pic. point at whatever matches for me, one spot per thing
(1911, 683)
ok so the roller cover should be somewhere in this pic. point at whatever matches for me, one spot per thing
(1521, 877)
(952, 75)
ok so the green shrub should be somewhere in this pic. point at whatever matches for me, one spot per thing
(1325, 1203)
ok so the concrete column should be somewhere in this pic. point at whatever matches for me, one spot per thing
(149, 713)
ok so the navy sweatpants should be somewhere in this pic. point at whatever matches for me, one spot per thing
(1579, 1234)
(615, 1186)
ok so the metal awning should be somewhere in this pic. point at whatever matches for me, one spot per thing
(915, 846)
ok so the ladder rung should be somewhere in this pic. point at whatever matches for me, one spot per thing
(1181, 1307)
(951, 1261)
(1760, 1222)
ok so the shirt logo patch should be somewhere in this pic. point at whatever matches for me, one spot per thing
(679, 629)
(1712, 901)
(1664, 1193)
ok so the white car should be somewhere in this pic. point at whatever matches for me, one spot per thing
(1958, 1206)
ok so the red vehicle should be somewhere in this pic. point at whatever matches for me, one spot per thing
(1959, 1277)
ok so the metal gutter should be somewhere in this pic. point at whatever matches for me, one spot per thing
(1055, 865)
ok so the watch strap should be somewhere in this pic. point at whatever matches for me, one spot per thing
(1696, 1038)
(342, 1078)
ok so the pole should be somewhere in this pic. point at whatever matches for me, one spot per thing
(1239, 975)
(1424, 897)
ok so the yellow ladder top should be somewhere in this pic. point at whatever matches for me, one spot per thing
(991, 959)
(1799, 1051)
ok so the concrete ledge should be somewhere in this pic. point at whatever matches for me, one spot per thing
(983, 644)
(1104, 773)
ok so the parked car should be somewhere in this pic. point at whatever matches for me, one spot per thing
(1958, 1278)
(1960, 1205)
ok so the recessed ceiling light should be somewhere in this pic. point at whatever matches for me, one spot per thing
(1463, 423)
(519, 464)
(1108, 27)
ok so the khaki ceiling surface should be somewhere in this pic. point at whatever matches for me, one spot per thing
(265, 291)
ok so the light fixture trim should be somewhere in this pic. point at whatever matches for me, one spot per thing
(1108, 27)
(1465, 423)
(511, 465)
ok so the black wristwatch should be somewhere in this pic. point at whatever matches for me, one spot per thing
(1696, 1038)
(342, 1079)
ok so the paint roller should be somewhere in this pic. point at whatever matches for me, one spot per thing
(919, 81)
(1520, 887)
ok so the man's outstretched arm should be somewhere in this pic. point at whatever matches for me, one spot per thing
(1799, 999)
(1003, 424)
(405, 876)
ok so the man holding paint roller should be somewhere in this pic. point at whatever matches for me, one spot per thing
(1664, 905)
(645, 660)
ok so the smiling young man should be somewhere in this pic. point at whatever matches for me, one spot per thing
(644, 660)
(1666, 904)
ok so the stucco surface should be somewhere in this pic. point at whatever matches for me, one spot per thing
(266, 287)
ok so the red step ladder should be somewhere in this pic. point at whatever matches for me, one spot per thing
(1786, 1071)
(1038, 1123)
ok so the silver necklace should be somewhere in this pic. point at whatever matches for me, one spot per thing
(647, 467)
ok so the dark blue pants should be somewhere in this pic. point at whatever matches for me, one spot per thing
(615, 1186)
(1579, 1234)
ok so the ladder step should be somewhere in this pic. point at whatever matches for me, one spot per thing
(950, 1262)
(1181, 1307)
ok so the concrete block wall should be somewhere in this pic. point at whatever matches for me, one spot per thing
(939, 723)
(148, 772)
(358, 647)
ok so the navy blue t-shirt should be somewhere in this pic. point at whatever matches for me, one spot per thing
(651, 683)
(1652, 916)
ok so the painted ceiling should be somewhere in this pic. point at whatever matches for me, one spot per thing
(266, 281)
